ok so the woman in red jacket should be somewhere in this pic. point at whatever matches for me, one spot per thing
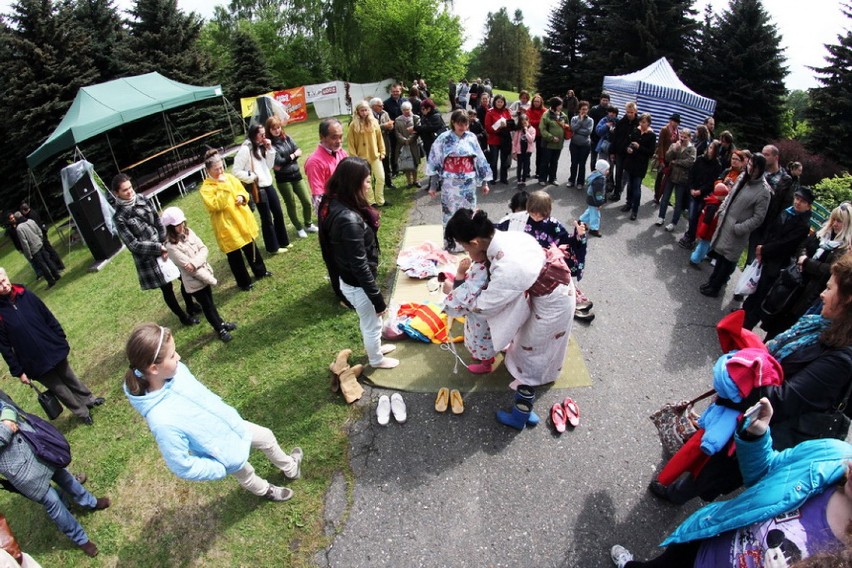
(497, 127)
(535, 113)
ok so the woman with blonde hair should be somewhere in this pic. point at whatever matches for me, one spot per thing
(366, 141)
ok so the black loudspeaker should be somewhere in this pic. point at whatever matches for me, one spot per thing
(89, 218)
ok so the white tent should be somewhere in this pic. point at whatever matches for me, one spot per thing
(658, 90)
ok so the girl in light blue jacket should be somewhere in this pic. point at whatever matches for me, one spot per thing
(200, 437)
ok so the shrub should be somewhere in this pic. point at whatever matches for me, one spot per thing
(831, 192)
(815, 167)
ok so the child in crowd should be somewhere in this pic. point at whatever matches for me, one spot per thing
(517, 219)
(707, 223)
(200, 437)
(190, 255)
(549, 231)
(523, 146)
(471, 278)
(475, 126)
(595, 197)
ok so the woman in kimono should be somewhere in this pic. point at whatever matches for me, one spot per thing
(529, 301)
(456, 165)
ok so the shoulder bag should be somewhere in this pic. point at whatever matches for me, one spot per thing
(784, 291)
(48, 443)
(814, 425)
(677, 422)
(49, 402)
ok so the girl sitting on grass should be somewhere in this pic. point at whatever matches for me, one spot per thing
(190, 255)
(200, 437)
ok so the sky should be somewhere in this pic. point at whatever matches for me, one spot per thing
(804, 26)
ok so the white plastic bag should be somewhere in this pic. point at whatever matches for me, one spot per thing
(747, 283)
(168, 268)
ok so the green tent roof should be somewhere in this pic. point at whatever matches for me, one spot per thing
(101, 107)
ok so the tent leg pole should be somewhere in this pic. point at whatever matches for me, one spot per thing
(228, 116)
(44, 205)
(114, 161)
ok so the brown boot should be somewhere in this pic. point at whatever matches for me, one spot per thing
(349, 385)
(341, 362)
(89, 548)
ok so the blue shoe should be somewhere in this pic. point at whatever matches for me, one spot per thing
(518, 416)
(526, 393)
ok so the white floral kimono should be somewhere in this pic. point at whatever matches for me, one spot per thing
(460, 302)
(536, 329)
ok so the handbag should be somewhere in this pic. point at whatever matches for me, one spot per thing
(677, 422)
(784, 291)
(833, 424)
(168, 268)
(252, 188)
(8, 542)
(747, 284)
(48, 443)
(49, 402)
(406, 158)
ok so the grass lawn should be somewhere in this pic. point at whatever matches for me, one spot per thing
(275, 372)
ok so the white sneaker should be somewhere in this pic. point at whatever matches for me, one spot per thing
(297, 454)
(302, 234)
(659, 221)
(387, 363)
(282, 250)
(620, 555)
(383, 410)
(398, 408)
(312, 229)
(670, 227)
(388, 348)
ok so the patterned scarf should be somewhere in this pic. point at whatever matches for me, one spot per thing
(805, 332)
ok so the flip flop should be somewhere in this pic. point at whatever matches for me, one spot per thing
(456, 402)
(557, 417)
(572, 411)
(383, 410)
(443, 400)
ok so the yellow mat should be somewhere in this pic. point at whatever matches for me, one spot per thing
(427, 367)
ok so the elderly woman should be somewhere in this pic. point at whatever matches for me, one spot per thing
(142, 232)
(386, 124)
(457, 166)
(742, 212)
(226, 200)
(366, 142)
(408, 149)
(288, 177)
(253, 166)
(31, 477)
(530, 315)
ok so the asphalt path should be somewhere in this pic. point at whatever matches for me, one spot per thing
(466, 491)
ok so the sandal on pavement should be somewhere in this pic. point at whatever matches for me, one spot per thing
(572, 411)
(398, 408)
(557, 417)
(388, 348)
(443, 400)
(387, 363)
(383, 410)
(456, 401)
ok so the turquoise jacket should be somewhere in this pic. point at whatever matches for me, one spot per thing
(200, 437)
(777, 482)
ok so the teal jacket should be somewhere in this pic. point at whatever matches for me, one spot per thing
(777, 482)
(200, 437)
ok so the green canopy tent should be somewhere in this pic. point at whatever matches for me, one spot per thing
(99, 108)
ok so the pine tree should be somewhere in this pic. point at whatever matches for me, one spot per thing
(563, 49)
(745, 72)
(830, 110)
(246, 55)
(45, 61)
(100, 20)
(506, 54)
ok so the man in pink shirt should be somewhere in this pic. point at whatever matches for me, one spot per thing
(322, 163)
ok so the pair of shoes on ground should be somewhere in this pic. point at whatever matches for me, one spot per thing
(565, 413)
(393, 404)
(449, 399)
(225, 331)
(521, 414)
(583, 311)
(387, 362)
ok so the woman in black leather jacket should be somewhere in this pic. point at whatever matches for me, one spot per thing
(288, 177)
(349, 240)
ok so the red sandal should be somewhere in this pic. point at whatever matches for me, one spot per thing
(572, 411)
(557, 417)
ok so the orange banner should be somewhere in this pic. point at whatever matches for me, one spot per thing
(294, 103)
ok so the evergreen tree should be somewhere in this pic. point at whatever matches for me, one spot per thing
(506, 54)
(45, 61)
(99, 19)
(563, 50)
(249, 73)
(745, 72)
(830, 110)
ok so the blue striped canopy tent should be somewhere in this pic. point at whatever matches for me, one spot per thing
(658, 90)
